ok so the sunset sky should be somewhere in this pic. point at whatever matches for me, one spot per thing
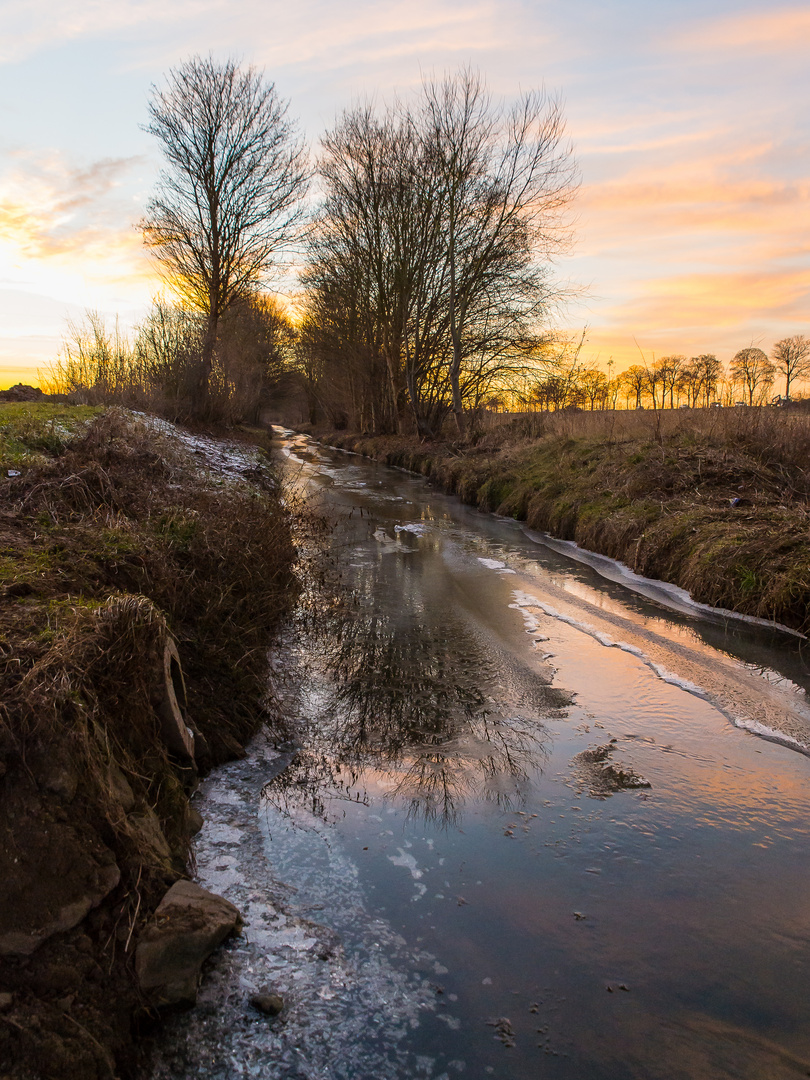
(690, 123)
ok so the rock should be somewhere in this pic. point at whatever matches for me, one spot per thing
(23, 942)
(189, 924)
(504, 1031)
(194, 819)
(60, 776)
(52, 874)
(148, 832)
(267, 1002)
(119, 786)
(602, 777)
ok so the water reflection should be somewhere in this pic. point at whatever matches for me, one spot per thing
(426, 709)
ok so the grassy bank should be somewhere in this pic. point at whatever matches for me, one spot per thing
(714, 500)
(113, 540)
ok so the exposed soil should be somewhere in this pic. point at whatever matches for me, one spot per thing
(113, 541)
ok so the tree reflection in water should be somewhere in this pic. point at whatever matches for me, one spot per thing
(438, 718)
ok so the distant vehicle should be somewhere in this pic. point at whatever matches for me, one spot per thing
(740, 404)
(716, 405)
(684, 406)
(780, 401)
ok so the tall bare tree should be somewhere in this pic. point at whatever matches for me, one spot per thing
(502, 179)
(438, 222)
(791, 356)
(700, 377)
(229, 198)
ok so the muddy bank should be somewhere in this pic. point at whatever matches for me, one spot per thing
(716, 505)
(142, 575)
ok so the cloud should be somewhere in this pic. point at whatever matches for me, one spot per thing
(66, 244)
(306, 34)
(26, 26)
(52, 210)
(746, 206)
(784, 29)
(702, 300)
(371, 32)
(699, 312)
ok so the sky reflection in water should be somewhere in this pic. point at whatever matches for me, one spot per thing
(439, 738)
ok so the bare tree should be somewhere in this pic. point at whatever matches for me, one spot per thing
(669, 370)
(594, 385)
(634, 379)
(752, 370)
(503, 179)
(701, 375)
(428, 272)
(792, 359)
(229, 198)
(655, 382)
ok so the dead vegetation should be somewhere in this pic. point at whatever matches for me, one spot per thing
(110, 541)
(714, 500)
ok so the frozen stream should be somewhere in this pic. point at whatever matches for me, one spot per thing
(442, 886)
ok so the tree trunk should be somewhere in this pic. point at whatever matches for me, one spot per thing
(455, 334)
(200, 391)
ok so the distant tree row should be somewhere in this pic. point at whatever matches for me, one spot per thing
(671, 381)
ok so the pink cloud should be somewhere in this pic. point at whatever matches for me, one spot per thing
(776, 30)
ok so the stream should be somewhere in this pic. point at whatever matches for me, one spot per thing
(538, 819)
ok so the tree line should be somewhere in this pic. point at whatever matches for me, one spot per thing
(428, 280)
(425, 257)
(751, 377)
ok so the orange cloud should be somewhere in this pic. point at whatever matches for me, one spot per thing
(44, 203)
(702, 312)
(61, 224)
(723, 300)
(725, 206)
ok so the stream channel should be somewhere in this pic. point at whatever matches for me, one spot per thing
(454, 871)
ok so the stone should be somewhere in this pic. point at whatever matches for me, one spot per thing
(20, 942)
(267, 1002)
(52, 873)
(187, 926)
(60, 775)
(194, 819)
(120, 788)
(146, 827)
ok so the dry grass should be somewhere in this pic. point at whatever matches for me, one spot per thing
(110, 540)
(714, 500)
